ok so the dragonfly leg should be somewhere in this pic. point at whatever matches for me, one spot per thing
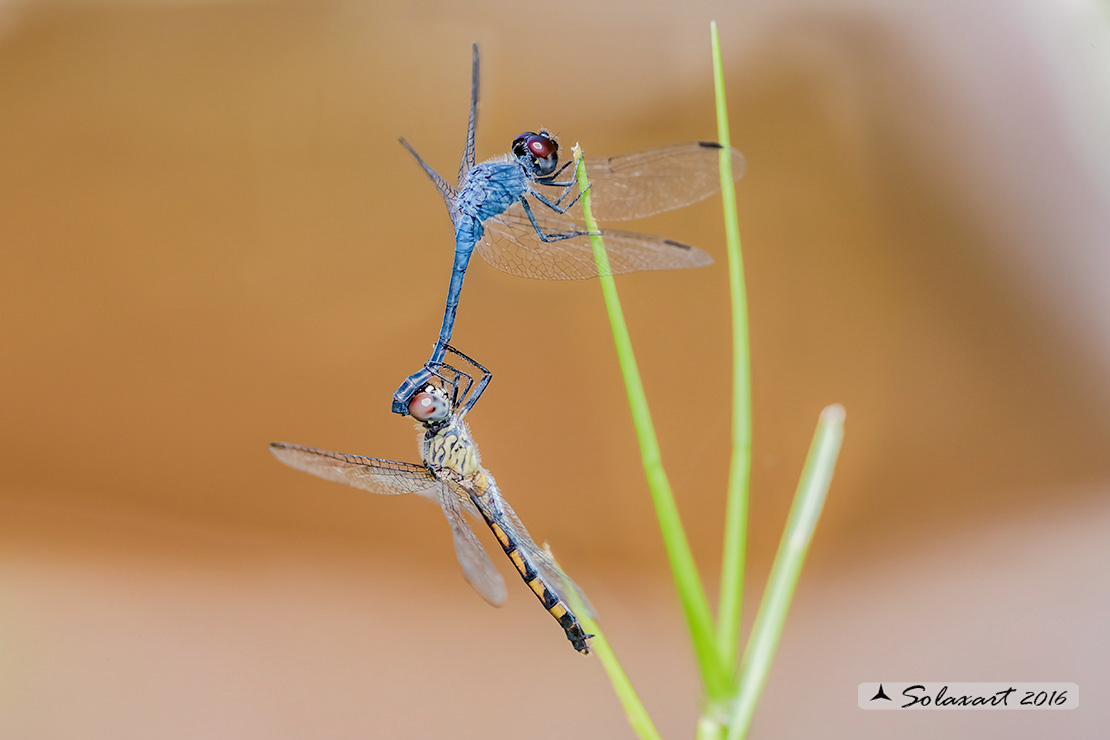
(556, 205)
(567, 186)
(544, 237)
(487, 376)
(432, 370)
(454, 382)
(550, 181)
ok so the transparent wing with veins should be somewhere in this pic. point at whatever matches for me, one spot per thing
(477, 568)
(643, 184)
(621, 188)
(510, 243)
(391, 477)
(388, 477)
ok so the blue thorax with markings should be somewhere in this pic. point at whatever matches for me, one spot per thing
(488, 189)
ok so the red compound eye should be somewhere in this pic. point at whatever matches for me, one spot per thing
(535, 146)
(540, 146)
(428, 407)
(537, 153)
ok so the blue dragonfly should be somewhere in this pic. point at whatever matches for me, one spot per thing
(521, 218)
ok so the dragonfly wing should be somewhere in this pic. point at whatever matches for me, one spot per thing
(510, 243)
(468, 153)
(476, 565)
(646, 183)
(450, 195)
(500, 511)
(367, 473)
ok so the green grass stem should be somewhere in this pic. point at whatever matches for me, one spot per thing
(787, 568)
(634, 709)
(734, 557)
(731, 691)
(691, 594)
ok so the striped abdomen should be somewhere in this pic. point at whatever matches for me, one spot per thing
(555, 606)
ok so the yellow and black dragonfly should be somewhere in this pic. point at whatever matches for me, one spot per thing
(453, 475)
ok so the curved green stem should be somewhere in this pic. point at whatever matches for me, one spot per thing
(787, 568)
(730, 608)
(691, 594)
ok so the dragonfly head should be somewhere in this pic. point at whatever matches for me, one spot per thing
(429, 406)
(539, 153)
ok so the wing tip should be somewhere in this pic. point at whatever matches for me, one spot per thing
(739, 164)
(698, 257)
(286, 453)
(280, 450)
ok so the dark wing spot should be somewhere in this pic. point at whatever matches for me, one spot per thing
(680, 245)
(710, 145)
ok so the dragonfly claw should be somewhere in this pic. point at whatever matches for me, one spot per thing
(412, 385)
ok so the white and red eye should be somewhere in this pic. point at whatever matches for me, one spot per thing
(540, 150)
(427, 407)
(541, 147)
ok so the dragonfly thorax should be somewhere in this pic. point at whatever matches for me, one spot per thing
(450, 449)
(492, 186)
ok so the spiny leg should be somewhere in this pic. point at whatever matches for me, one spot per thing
(555, 205)
(487, 376)
(453, 381)
(545, 237)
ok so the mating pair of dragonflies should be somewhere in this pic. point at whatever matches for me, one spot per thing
(521, 212)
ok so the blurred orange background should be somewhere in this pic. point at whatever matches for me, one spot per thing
(212, 240)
